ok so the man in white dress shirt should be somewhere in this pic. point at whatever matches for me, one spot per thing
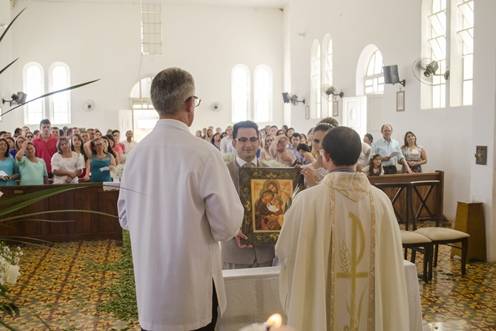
(177, 200)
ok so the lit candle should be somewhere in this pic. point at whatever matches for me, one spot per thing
(274, 321)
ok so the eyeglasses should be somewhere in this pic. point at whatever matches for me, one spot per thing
(245, 139)
(196, 100)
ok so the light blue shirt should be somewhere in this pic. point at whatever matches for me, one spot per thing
(385, 148)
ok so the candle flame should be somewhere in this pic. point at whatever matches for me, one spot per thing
(274, 321)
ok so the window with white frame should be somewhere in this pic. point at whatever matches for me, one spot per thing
(33, 86)
(151, 28)
(60, 103)
(315, 81)
(327, 74)
(465, 38)
(262, 94)
(240, 93)
(144, 115)
(374, 76)
(448, 38)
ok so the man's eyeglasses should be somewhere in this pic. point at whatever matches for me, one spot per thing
(196, 100)
(245, 139)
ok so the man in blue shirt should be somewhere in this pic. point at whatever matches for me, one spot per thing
(390, 151)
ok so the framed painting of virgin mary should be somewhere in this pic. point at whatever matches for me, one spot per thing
(266, 194)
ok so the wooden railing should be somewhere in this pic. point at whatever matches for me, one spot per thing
(78, 225)
(416, 198)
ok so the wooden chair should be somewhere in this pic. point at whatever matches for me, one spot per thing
(446, 236)
(417, 242)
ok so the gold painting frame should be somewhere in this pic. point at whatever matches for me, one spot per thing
(266, 194)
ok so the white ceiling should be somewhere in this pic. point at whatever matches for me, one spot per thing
(238, 3)
(234, 3)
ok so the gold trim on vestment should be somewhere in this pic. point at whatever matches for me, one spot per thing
(330, 291)
(371, 318)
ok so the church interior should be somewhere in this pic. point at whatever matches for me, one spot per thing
(426, 66)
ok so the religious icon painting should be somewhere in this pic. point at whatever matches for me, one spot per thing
(266, 194)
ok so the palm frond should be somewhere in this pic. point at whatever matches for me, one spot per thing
(50, 93)
(8, 65)
(10, 24)
(87, 211)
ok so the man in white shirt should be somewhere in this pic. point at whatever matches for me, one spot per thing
(390, 151)
(226, 144)
(177, 200)
(129, 143)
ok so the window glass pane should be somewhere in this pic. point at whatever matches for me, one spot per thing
(442, 100)
(240, 93)
(374, 77)
(468, 67)
(33, 86)
(436, 96)
(467, 92)
(60, 102)
(263, 94)
(315, 81)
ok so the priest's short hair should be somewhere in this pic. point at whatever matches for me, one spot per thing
(170, 89)
(343, 145)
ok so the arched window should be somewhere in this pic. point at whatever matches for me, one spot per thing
(315, 81)
(327, 73)
(144, 115)
(240, 93)
(374, 77)
(60, 103)
(33, 86)
(263, 87)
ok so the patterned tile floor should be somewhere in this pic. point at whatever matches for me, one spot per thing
(59, 285)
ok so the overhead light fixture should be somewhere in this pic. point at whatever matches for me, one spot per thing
(391, 75)
(293, 99)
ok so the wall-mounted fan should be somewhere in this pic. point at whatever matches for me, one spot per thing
(89, 105)
(424, 70)
(331, 90)
(215, 106)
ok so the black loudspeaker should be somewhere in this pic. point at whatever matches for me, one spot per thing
(391, 74)
(286, 98)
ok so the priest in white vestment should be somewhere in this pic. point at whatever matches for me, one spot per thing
(177, 200)
(340, 250)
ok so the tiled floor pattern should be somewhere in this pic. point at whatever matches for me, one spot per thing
(61, 285)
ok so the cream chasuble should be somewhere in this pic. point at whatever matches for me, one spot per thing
(341, 258)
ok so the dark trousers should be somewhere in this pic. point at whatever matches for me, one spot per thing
(211, 325)
(389, 170)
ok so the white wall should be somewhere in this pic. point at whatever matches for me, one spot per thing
(394, 26)
(5, 54)
(101, 40)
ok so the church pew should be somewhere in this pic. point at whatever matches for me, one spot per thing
(82, 226)
(400, 190)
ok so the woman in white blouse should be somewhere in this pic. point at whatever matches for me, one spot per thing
(415, 155)
(66, 164)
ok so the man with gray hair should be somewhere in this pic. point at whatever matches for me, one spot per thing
(389, 150)
(177, 200)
